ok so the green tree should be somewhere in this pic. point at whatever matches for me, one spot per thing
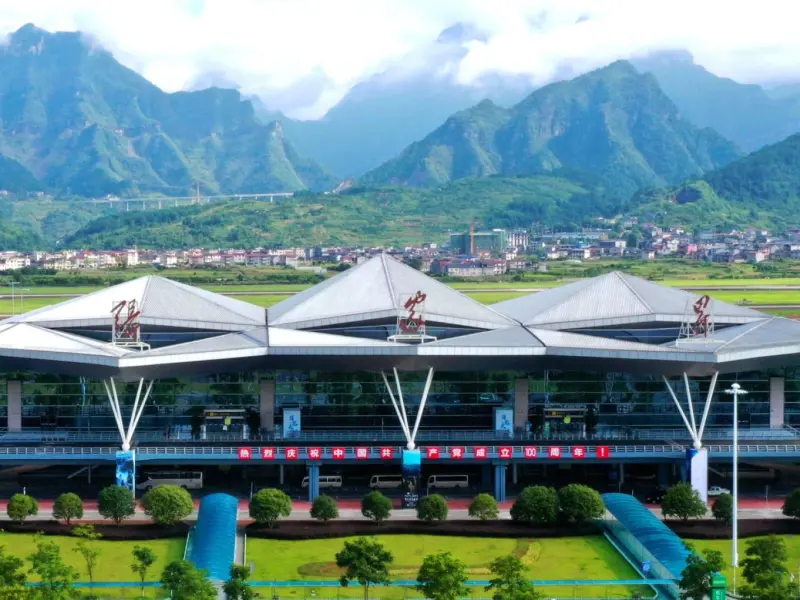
(536, 505)
(167, 504)
(237, 587)
(183, 581)
(483, 507)
(509, 580)
(695, 580)
(56, 578)
(765, 570)
(86, 549)
(11, 574)
(365, 561)
(764, 556)
(442, 577)
(267, 506)
(722, 509)
(67, 507)
(682, 501)
(580, 503)
(324, 509)
(376, 506)
(116, 503)
(22, 506)
(143, 559)
(432, 508)
(791, 506)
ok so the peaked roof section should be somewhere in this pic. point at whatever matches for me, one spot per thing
(162, 302)
(760, 336)
(376, 289)
(614, 299)
(22, 340)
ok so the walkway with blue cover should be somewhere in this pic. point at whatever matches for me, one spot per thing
(213, 544)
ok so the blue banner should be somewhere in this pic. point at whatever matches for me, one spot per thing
(126, 469)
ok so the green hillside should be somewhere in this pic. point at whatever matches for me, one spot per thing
(613, 122)
(75, 121)
(761, 189)
(396, 216)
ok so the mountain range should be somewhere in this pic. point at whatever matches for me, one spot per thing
(74, 120)
(637, 137)
(614, 122)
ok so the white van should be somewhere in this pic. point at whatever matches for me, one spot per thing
(448, 481)
(190, 480)
(326, 481)
(386, 482)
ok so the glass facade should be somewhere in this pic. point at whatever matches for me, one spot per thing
(358, 401)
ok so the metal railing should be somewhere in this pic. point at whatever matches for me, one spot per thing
(722, 433)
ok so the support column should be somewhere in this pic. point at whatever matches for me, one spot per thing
(313, 481)
(521, 393)
(500, 482)
(15, 405)
(486, 476)
(514, 473)
(266, 402)
(621, 473)
(280, 474)
(663, 475)
(777, 400)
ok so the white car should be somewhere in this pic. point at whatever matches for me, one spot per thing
(717, 491)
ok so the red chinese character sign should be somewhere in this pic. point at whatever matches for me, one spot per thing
(602, 452)
(481, 452)
(554, 452)
(387, 453)
(414, 321)
(125, 322)
(505, 452)
(338, 453)
(579, 452)
(432, 452)
(362, 453)
(245, 453)
(315, 453)
(268, 453)
(457, 452)
(530, 451)
(702, 315)
(291, 453)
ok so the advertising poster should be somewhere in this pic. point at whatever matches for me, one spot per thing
(504, 421)
(291, 422)
(126, 469)
(412, 470)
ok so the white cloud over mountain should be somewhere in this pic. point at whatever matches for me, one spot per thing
(324, 47)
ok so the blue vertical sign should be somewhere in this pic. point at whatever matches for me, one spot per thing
(412, 470)
(126, 469)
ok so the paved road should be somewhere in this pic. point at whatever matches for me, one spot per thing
(349, 510)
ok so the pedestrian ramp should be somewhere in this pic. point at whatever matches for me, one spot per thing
(645, 541)
(213, 545)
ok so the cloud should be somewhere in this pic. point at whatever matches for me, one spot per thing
(302, 56)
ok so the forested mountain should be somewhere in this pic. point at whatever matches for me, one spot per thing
(744, 113)
(761, 188)
(388, 111)
(613, 122)
(74, 120)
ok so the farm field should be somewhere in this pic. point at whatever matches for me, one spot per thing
(490, 295)
(548, 559)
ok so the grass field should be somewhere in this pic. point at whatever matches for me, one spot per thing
(755, 296)
(548, 559)
(724, 546)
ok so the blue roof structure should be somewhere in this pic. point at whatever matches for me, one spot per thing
(658, 539)
(214, 541)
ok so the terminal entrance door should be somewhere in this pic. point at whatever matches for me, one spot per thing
(225, 421)
(564, 420)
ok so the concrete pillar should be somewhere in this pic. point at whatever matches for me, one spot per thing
(663, 475)
(280, 474)
(500, 482)
(514, 473)
(266, 402)
(313, 481)
(486, 476)
(621, 473)
(15, 406)
(777, 401)
(521, 392)
(684, 472)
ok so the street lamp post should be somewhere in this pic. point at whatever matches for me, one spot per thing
(736, 390)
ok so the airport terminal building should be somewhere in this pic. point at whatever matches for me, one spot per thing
(381, 359)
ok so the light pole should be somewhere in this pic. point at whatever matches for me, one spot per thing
(736, 390)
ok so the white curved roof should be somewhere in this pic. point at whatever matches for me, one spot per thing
(377, 289)
(614, 299)
(162, 302)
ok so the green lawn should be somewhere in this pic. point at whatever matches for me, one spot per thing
(558, 558)
(115, 556)
(724, 546)
(755, 296)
